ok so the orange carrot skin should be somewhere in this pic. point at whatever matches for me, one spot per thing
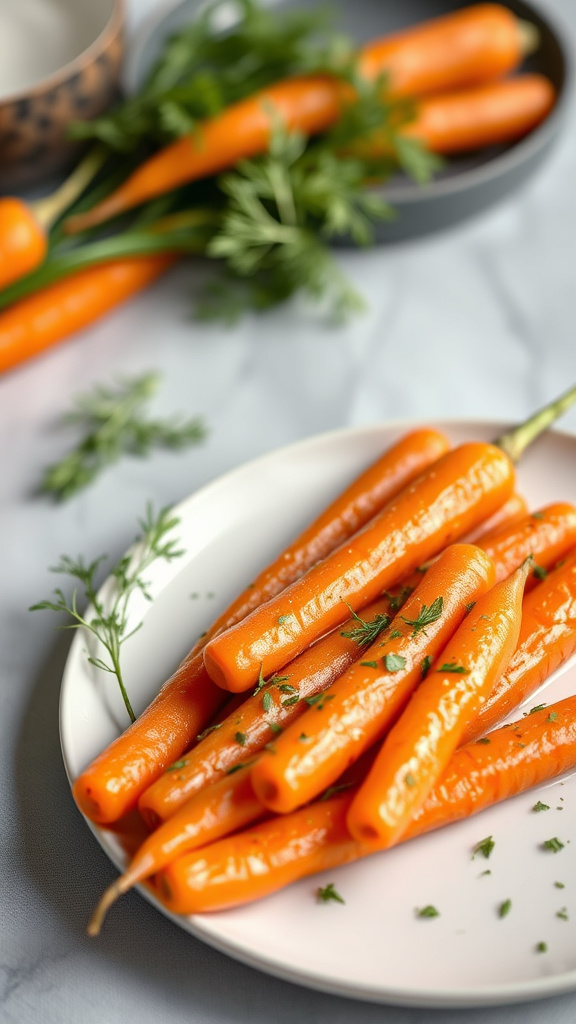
(248, 728)
(112, 784)
(546, 534)
(511, 512)
(420, 744)
(462, 48)
(47, 317)
(363, 703)
(257, 862)
(401, 463)
(487, 115)
(547, 639)
(23, 243)
(463, 487)
(475, 45)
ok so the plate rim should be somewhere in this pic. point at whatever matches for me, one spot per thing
(199, 925)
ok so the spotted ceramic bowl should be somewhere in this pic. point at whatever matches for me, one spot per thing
(60, 60)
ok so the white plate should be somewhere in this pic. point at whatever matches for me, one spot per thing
(374, 947)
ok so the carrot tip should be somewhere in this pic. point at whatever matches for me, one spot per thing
(111, 894)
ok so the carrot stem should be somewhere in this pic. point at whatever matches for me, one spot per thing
(49, 209)
(515, 442)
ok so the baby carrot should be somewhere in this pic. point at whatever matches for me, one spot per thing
(420, 744)
(478, 44)
(546, 534)
(257, 862)
(23, 243)
(509, 513)
(363, 703)
(547, 639)
(111, 785)
(50, 315)
(462, 488)
(262, 716)
(486, 115)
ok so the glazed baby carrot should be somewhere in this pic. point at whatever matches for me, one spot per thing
(257, 862)
(420, 744)
(463, 487)
(262, 716)
(188, 700)
(547, 639)
(546, 534)
(509, 513)
(483, 116)
(48, 316)
(478, 44)
(362, 704)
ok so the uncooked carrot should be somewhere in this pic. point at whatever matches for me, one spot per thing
(486, 115)
(463, 487)
(358, 709)
(420, 744)
(257, 862)
(49, 316)
(260, 719)
(547, 639)
(478, 44)
(113, 782)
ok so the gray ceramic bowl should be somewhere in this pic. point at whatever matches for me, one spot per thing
(467, 185)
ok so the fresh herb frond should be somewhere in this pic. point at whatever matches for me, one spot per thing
(367, 631)
(427, 616)
(327, 893)
(115, 423)
(107, 619)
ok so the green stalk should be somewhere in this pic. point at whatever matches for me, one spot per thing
(515, 442)
(49, 209)
(183, 233)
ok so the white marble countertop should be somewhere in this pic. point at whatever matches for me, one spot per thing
(476, 322)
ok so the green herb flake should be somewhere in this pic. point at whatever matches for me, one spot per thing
(334, 790)
(369, 664)
(240, 738)
(425, 666)
(540, 572)
(484, 873)
(177, 764)
(275, 728)
(539, 806)
(484, 739)
(395, 634)
(484, 847)
(286, 688)
(470, 606)
(394, 662)
(538, 515)
(284, 618)
(541, 947)
(427, 616)
(318, 700)
(328, 893)
(562, 914)
(554, 844)
(289, 702)
(211, 728)
(427, 911)
(552, 717)
(559, 885)
(303, 738)
(267, 701)
(238, 767)
(409, 780)
(537, 707)
(505, 908)
(451, 666)
(365, 633)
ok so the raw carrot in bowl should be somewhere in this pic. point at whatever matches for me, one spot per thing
(186, 703)
(420, 744)
(474, 45)
(257, 862)
(359, 708)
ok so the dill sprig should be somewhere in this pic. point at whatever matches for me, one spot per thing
(366, 631)
(107, 617)
(115, 424)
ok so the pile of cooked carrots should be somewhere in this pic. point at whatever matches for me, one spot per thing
(455, 69)
(347, 700)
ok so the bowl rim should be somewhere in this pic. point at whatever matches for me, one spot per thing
(114, 25)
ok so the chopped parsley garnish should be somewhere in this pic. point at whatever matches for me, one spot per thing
(365, 633)
(427, 911)
(328, 893)
(289, 702)
(484, 740)
(177, 764)
(303, 738)
(554, 844)
(484, 847)
(319, 699)
(552, 716)
(238, 767)
(426, 665)
(505, 908)
(537, 707)
(210, 729)
(275, 728)
(284, 618)
(394, 662)
(286, 687)
(559, 885)
(409, 780)
(539, 806)
(542, 947)
(369, 664)
(427, 616)
(451, 666)
(267, 701)
(563, 914)
(540, 572)
(470, 606)
(240, 738)
(333, 790)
